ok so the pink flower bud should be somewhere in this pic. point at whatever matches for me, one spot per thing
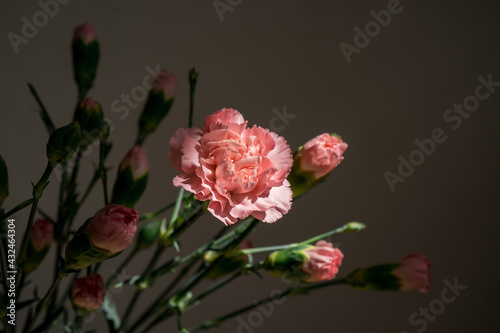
(166, 82)
(113, 228)
(85, 32)
(323, 262)
(42, 234)
(413, 273)
(137, 160)
(88, 292)
(321, 154)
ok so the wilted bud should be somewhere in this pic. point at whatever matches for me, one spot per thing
(63, 143)
(148, 235)
(159, 101)
(4, 181)
(132, 178)
(85, 56)
(314, 161)
(88, 293)
(102, 237)
(306, 263)
(411, 274)
(91, 119)
(41, 237)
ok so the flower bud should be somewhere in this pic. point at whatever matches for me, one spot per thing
(132, 178)
(148, 234)
(314, 161)
(85, 56)
(159, 101)
(41, 237)
(306, 263)
(102, 237)
(4, 181)
(91, 119)
(63, 143)
(411, 274)
(88, 293)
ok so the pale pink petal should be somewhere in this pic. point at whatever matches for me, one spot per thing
(175, 145)
(225, 116)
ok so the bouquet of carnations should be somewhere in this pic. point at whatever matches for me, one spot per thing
(244, 175)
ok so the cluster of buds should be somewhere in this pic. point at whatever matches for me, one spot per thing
(102, 237)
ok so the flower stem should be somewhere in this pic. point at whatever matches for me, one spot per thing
(349, 227)
(14, 210)
(118, 271)
(193, 78)
(37, 194)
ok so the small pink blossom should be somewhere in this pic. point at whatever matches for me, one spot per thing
(42, 234)
(323, 262)
(241, 170)
(137, 160)
(85, 32)
(113, 228)
(414, 273)
(321, 154)
(166, 82)
(88, 292)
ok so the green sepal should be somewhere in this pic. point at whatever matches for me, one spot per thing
(34, 258)
(127, 190)
(91, 122)
(63, 143)
(288, 263)
(155, 110)
(300, 180)
(85, 61)
(4, 181)
(148, 235)
(81, 253)
(378, 277)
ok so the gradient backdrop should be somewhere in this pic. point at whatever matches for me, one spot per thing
(266, 56)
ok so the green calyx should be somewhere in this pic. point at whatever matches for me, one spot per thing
(156, 108)
(92, 124)
(63, 143)
(378, 277)
(127, 189)
(149, 234)
(81, 253)
(85, 62)
(287, 263)
(301, 180)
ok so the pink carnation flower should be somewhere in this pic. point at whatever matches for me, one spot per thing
(241, 170)
(88, 292)
(323, 262)
(113, 228)
(321, 154)
(413, 273)
(42, 234)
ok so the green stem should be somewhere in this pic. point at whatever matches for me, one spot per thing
(77, 325)
(214, 287)
(45, 115)
(127, 260)
(149, 216)
(349, 227)
(177, 207)
(193, 77)
(14, 210)
(37, 194)
(40, 307)
(267, 248)
(102, 171)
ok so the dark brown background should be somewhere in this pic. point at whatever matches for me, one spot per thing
(286, 53)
